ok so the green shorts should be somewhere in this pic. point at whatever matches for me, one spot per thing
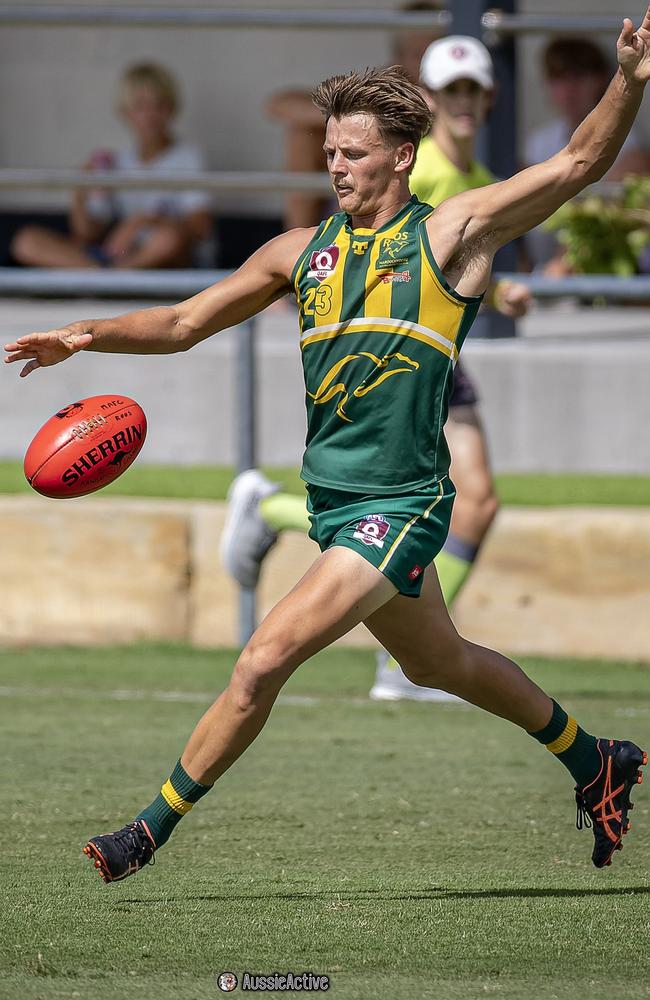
(400, 534)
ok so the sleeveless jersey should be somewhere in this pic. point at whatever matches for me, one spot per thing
(380, 332)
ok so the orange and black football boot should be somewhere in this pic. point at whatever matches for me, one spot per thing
(123, 853)
(605, 802)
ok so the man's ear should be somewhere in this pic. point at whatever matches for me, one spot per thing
(404, 156)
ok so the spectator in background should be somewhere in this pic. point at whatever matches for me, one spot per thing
(304, 127)
(131, 228)
(576, 75)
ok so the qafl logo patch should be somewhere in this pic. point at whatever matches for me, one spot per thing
(322, 263)
(372, 530)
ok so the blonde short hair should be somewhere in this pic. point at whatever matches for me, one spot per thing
(150, 75)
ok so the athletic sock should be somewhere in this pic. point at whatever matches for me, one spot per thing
(453, 565)
(575, 748)
(176, 797)
(285, 512)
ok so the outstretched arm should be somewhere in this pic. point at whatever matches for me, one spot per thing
(496, 214)
(169, 329)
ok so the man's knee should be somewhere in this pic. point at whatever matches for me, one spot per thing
(260, 671)
(445, 662)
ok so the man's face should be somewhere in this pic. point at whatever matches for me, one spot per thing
(576, 94)
(461, 107)
(361, 163)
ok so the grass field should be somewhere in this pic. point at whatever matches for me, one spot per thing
(211, 483)
(405, 850)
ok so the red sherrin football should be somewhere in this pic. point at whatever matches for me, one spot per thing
(85, 446)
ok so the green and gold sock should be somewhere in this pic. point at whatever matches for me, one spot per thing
(453, 565)
(575, 748)
(285, 512)
(176, 797)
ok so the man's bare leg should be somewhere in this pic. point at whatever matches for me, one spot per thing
(475, 508)
(36, 246)
(476, 502)
(423, 640)
(421, 636)
(337, 592)
(165, 246)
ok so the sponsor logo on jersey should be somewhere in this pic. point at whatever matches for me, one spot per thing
(415, 572)
(359, 247)
(372, 530)
(323, 262)
(393, 277)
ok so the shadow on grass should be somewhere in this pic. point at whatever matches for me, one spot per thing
(380, 894)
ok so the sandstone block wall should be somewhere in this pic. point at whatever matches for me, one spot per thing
(562, 581)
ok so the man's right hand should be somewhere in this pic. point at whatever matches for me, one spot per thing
(40, 350)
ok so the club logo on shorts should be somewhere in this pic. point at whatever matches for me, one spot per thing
(415, 572)
(372, 530)
(323, 262)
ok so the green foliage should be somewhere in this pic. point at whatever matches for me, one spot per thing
(605, 235)
(425, 852)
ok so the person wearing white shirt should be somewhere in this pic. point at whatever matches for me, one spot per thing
(131, 228)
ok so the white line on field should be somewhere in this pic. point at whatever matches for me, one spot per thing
(139, 694)
(203, 697)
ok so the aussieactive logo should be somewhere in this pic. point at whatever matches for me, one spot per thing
(372, 530)
(323, 262)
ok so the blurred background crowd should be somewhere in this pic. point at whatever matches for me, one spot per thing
(163, 102)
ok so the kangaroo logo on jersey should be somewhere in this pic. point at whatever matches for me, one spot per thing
(323, 262)
(392, 251)
(372, 530)
(383, 369)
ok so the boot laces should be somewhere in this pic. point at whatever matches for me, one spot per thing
(132, 841)
(583, 819)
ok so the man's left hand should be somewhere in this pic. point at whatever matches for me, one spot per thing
(633, 50)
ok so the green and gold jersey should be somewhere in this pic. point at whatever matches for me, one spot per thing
(380, 333)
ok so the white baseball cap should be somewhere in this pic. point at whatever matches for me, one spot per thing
(457, 57)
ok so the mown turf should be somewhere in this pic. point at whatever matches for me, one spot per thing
(405, 850)
(202, 482)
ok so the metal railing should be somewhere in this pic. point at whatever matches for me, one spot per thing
(172, 285)
(247, 181)
(493, 22)
(66, 15)
(497, 22)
